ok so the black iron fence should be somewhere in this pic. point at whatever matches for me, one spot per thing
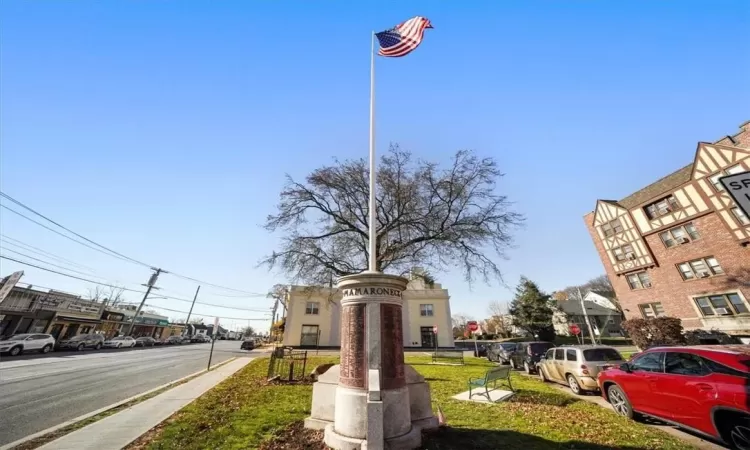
(287, 364)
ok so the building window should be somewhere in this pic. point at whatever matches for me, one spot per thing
(624, 252)
(665, 206)
(721, 305)
(312, 308)
(639, 280)
(651, 310)
(425, 310)
(714, 179)
(740, 216)
(612, 228)
(700, 268)
(679, 235)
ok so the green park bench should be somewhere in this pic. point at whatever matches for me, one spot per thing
(492, 376)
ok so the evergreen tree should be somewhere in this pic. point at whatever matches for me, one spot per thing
(532, 310)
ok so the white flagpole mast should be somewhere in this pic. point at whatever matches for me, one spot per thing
(373, 211)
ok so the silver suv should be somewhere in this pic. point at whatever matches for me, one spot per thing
(577, 365)
(19, 343)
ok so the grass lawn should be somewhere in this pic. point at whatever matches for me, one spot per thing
(244, 411)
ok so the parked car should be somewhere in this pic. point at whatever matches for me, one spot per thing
(160, 341)
(175, 340)
(577, 366)
(145, 341)
(27, 342)
(120, 342)
(701, 388)
(528, 354)
(480, 350)
(501, 351)
(82, 341)
(247, 344)
(200, 338)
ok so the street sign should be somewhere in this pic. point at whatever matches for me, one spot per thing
(472, 326)
(575, 329)
(9, 283)
(434, 329)
(738, 187)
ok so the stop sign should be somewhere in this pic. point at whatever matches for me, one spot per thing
(472, 326)
(575, 329)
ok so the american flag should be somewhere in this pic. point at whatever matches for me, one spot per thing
(403, 38)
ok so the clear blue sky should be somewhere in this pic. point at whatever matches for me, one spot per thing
(164, 129)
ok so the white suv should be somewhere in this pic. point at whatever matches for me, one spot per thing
(19, 343)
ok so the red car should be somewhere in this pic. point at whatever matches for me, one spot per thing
(705, 389)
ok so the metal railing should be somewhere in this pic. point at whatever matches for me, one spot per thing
(287, 364)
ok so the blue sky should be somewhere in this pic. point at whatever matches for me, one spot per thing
(164, 129)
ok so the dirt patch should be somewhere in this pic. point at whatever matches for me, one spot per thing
(295, 437)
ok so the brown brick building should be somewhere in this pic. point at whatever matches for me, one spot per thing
(680, 247)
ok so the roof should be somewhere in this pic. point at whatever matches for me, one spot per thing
(606, 294)
(660, 187)
(573, 307)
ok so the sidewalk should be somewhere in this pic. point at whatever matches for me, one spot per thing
(119, 430)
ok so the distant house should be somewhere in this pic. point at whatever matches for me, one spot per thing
(196, 328)
(605, 321)
(222, 332)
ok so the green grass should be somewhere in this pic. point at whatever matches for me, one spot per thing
(244, 411)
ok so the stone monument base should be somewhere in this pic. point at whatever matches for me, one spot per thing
(408, 441)
(420, 405)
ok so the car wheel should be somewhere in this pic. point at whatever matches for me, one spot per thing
(574, 386)
(540, 370)
(98, 346)
(527, 368)
(47, 348)
(15, 351)
(619, 401)
(119, 345)
(80, 347)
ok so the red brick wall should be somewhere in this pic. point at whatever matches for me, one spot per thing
(741, 140)
(668, 287)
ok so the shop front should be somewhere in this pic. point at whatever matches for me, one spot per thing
(112, 322)
(157, 328)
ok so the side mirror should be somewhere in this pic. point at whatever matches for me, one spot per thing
(626, 368)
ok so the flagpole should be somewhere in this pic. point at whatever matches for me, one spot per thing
(373, 266)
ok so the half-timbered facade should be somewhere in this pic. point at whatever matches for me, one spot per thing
(680, 247)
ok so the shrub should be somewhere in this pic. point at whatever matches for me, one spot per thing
(698, 337)
(647, 333)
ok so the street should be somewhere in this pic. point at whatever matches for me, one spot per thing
(38, 392)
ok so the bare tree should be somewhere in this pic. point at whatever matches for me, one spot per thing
(459, 324)
(499, 322)
(197, 321)
(248, 331)
(426, 217)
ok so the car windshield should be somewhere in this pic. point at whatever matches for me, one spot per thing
(511, 346)
(540, 347)
(80, 337)
(142, 339)
(602, 354)
(120, 338)
(18, 337)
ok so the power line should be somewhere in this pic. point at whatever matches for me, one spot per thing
(111, 252)
(48, 263)
(71, 231)
(203, 315)
(57, 232)
(124, 288)
(30, 248)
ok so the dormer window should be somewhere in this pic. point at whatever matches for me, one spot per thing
(666, 205)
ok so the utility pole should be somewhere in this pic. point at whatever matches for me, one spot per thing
(586, 316)
(149, 285)
(187, 321)
(273, 317)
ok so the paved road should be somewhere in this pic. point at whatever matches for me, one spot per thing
(38, 392)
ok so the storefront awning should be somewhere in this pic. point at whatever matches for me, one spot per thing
(76, 319)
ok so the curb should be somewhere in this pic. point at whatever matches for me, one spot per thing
(106, 408)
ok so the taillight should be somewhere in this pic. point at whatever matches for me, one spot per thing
(584, 369)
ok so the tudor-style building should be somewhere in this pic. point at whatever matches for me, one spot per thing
(680, 247)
